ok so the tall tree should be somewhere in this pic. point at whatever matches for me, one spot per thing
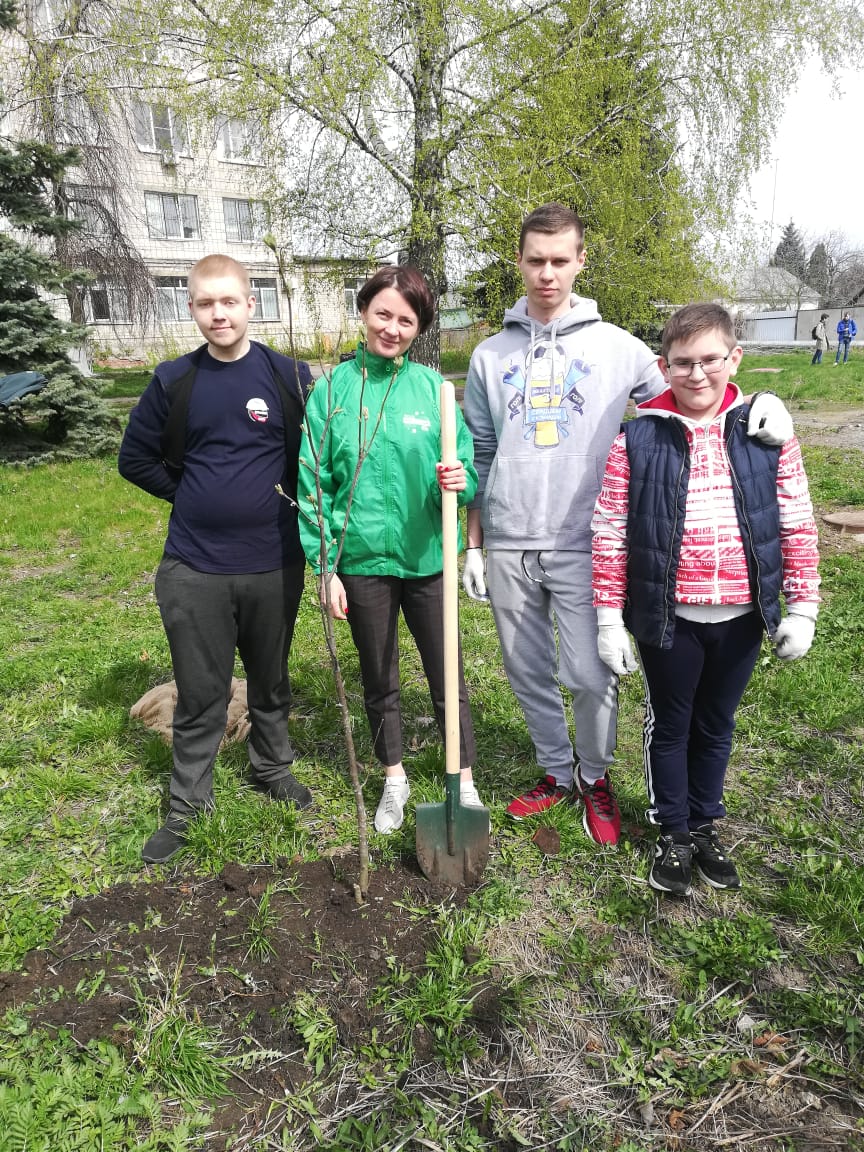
(61, 97)
(836, 268)
(790, 253)
(66, 419)
(397, 114)
(616, 166)
(820, 270)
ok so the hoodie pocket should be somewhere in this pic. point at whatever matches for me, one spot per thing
(543, 498)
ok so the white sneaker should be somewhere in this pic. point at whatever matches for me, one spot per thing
(391, 807)
(468, 796)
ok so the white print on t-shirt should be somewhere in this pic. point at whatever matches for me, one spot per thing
(258, 410)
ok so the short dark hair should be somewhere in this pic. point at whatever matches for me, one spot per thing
(692, 320)
(552, 219)
(410, 283)
(824, 316)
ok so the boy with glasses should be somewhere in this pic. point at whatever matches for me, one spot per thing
(544, 399)
(697, 530)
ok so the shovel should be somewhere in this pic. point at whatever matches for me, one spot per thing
(452, 840)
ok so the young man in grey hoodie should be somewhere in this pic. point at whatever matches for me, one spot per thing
(544, 399)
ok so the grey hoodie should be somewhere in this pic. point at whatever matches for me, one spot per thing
(544, 403)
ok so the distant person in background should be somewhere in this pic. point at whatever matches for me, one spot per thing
(847, 330)
(820, 335)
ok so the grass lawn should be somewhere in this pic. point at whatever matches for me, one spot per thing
(564, 1005)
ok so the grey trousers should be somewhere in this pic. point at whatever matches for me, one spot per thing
(531, 593)
(206, 617)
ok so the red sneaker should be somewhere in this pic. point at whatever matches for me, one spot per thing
(601, 818)
(542, 796)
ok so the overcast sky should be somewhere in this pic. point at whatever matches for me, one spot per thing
(819, 154)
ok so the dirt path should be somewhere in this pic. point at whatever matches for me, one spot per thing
(835, 427)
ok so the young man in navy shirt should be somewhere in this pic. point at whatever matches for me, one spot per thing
(232, 572)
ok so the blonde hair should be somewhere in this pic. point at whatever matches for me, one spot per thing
(218, 265)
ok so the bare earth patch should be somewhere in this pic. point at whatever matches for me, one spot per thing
(188, 940)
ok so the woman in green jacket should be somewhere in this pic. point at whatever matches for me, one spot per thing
(374, 443)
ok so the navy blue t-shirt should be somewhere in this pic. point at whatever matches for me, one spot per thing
(227, 514)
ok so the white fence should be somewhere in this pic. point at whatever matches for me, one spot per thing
(772, 327)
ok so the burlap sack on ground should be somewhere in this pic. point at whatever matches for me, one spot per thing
(155, 710)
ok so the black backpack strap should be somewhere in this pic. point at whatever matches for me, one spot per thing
(172, 442)
(292, 390)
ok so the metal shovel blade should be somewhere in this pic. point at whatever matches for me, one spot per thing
(455, 850)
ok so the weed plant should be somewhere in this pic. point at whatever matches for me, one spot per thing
(565, 1004)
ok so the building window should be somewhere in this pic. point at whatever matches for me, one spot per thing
(240, 141)
(171, 299)
(352, 286)
(107, 303)
(266, 297)
(159, 129)
(245, 220)
(172, 217)
(95, 208)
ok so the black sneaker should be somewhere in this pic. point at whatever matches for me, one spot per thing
(287, 788)
(671, 870)
(164, 844)
(711, 860)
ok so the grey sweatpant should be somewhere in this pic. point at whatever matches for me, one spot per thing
(206, 616)
(531, 593)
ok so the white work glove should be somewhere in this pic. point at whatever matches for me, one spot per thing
(769, 420)
(793, 637)
(474, 574)
(613, 642)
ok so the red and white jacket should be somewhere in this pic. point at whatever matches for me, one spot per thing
(712, 568)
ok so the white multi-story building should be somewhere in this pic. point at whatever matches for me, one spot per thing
(179, 205)
(168, 200)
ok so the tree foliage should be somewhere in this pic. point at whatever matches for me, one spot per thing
(790, 253)
(60, 93)
(618, 170)
(66, 419)
(820, 270)
(427, 126)
(836, 269)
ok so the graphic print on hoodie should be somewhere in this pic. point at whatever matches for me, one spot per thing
(546, 391)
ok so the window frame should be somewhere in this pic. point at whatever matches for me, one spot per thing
(179, 296)
(270, 303)
(88, 196)
(179, 198)
(177, 141)
(250, 150)
(113, 294)
(255, 228)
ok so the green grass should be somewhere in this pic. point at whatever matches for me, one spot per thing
(794, 379)
(122, 383)
(612, 997)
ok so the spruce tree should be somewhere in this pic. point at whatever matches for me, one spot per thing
(790, 253)
(67, 418)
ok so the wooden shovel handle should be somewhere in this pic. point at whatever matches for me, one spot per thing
(449, 533)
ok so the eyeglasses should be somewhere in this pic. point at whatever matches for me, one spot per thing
(711, 365)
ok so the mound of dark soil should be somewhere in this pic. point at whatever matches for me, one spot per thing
(195, 931)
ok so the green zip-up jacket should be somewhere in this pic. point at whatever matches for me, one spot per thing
(394, 525)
